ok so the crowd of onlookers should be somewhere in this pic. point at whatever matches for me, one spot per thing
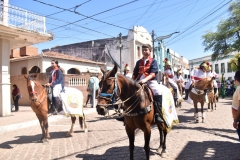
(229, 87)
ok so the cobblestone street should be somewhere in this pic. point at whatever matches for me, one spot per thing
(107, 139)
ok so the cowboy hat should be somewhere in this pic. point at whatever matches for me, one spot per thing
(126, 68)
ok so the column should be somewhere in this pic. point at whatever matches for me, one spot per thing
(5, 93)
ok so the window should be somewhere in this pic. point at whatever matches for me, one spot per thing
(24, 70)
(222, 67)
(216, 68)
(138, 51)
(229, 69)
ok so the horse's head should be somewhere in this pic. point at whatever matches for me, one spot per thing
(108, 90)
(33, 88)
(205, 83)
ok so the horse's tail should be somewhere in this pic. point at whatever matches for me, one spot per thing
(81, 121)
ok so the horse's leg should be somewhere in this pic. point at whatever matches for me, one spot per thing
(131, 137)
(161, 138)
(163, 154)
(84, 122)
(202, 111)
(195, 112)
(45, 123)
(40, 119)
(69, 134)
(147, 136)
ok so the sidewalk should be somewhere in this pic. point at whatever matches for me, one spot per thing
(25, 117)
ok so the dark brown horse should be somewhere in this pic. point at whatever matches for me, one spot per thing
(197, 95)
(137, 104)
(39, 104)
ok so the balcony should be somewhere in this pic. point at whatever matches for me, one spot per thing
(13, 16)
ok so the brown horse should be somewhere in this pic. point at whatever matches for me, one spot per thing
(211, 99)
(39, 104)
(197, 94)
(137, 104)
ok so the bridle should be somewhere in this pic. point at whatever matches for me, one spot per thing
(111, 98)
(32, 93)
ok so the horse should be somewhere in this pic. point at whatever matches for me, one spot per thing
(211, 99)
(138, 108)
(38, 96)
(167, 84)
(197, 94)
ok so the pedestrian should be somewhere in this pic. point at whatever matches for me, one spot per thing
(93, 87)
(89, 97)
(56, 82)
(236, 104)
(16, 95)
(228, 87)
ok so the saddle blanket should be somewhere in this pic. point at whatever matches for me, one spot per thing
(168, 107)
(72, 100)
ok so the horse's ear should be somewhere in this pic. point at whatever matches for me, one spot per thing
(102, 70)
(26, 76)
(114, 70)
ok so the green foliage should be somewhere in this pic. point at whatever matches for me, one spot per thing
(226, 39)
(234, 62)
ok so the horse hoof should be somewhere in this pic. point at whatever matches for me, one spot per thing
(85, 130)
(159, 150)
(45, 140)
(163, 154)
(68, 135)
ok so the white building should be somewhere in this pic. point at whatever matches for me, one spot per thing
(18, 28)
(219, 66)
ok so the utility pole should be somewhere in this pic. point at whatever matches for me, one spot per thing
(120, 47)
(153, 43)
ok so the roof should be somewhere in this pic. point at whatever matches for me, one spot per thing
(55, 55)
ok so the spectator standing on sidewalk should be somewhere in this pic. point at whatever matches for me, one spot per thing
(16, 95)
(236, 104)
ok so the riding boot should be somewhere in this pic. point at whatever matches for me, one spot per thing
(186, 94)
(158, 108)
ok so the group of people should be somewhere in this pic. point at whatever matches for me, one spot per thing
(145, 71)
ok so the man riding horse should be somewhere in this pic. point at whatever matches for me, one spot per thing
(168, 72)
(178, 78)
(210, 74)
(199, 73)
(145, 71)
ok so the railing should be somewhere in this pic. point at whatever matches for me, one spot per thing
(14, 16)
(76, 81)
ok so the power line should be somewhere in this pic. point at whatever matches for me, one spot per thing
(199, 21)
(87, 17)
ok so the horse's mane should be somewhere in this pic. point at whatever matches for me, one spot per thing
(202, 83)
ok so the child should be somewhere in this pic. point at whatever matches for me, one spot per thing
(236, 104)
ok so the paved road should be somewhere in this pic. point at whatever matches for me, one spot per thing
(107, 139)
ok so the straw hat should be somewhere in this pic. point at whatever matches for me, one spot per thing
(126, 68)
(167, 63)
(179, 71)
(204, 65)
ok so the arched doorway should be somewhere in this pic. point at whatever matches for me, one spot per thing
(73, 71)
(35, 69)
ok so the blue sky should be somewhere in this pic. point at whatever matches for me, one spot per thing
(192, 18)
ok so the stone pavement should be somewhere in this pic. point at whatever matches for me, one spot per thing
(107, 139)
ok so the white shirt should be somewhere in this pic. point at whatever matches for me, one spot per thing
(198, 74)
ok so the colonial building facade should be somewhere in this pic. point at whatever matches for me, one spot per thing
(221, 67)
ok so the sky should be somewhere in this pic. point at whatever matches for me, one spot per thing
(99, 19)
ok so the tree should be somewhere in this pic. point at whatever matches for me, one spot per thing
(234, 62)
(226, 38)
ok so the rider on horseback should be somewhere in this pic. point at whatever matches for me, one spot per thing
(170, 73)
(179, 79)
(56, 82)
(145, 71)
(210, 74)
(199, 73)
